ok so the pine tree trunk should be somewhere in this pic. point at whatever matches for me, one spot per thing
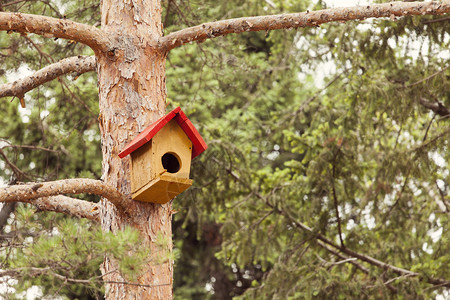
(132, 94)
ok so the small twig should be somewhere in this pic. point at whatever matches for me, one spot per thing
(12, 3)
(436, 20)
(427, 78)
(41, 271)
(302, 107)
(396, 278)
(333, 187)
(19, 173)
(434, 139)
(261, 220)
(335, 200)
(25, 146)
(428, 128)
(399, 196)
(442, 204)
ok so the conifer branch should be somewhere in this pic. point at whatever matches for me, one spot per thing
(31, 191)
(55, 28)
(297, 20)
(428, 77)
(77, 64)
(368, 259)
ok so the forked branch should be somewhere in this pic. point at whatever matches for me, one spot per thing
(76, 64)
(30, 191)
(52, 27)
(304, 19)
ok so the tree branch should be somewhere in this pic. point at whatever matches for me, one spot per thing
(5, 212)
(18, 272)
(31, 191)
(428, 77)
(366, 258)
(437, 107)
(78, 64)
(436, 20)
(67, 205)
(296, 20)
(17, 172)
(91, 36)
(335, 200)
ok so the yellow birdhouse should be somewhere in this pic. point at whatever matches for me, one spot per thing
(161, 158)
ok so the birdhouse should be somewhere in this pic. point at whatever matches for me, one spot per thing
(161, 158)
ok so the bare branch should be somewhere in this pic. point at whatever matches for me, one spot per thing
(91, 36)
(78, 64)
(67, 205)
(296, 20)
(437, 107)
(436, 20)
(31, 191)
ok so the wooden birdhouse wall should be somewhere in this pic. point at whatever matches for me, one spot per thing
(170, 149)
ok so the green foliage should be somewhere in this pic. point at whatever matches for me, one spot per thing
(280, 146)
(283, 150)
(59, 251)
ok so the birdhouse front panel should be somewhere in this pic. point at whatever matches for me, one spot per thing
(171, 150)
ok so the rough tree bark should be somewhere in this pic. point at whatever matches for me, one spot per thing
(132, 92)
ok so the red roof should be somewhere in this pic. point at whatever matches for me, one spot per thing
(198, 144)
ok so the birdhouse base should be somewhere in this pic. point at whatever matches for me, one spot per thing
(162, 189)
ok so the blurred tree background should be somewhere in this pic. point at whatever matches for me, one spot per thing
(340, 131)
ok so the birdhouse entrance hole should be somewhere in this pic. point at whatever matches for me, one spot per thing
(171, 162)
